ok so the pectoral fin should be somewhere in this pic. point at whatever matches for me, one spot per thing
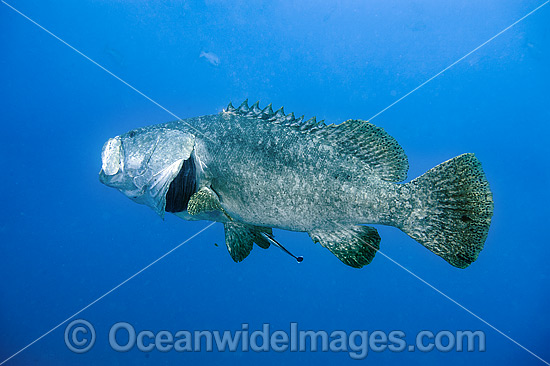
(239, 239)
(205, 200)
(353, 245)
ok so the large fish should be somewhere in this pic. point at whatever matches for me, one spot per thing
(254, 169)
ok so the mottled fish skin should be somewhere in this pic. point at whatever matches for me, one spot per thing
(270, 175)
(258, 169)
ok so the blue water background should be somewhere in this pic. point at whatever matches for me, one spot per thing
(65, 239)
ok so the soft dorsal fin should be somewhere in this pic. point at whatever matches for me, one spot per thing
(372, 145)
(361, 139)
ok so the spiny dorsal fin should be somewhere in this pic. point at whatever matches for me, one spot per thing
(367, 142)
(268, 114)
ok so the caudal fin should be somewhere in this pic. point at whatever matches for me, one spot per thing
(450, 207)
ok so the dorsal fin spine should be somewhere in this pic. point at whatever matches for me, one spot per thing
(243, 108)
(267, 112)
(255, 109)
(279, 116)
(230, 108)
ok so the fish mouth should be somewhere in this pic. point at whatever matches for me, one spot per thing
(125, 186)
(116, 181)
(113, 173)
(112, 156)
(103, 178)
(112, 163)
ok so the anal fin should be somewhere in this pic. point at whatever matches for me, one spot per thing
(353, 245)
(239, 239)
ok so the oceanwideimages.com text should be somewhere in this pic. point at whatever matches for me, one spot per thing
(80, 337)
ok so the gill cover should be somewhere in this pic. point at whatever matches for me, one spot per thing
(172, 148)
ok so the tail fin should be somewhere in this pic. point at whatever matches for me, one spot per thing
(451, 207)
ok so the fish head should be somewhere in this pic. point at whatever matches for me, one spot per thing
(143, 162)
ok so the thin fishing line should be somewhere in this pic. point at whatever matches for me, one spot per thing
(205, 228)
(154, 102)
(108, 292)
(105, 69)
(460, 59)
(442, 293)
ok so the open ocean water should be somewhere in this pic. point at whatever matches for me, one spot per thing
(66, 239)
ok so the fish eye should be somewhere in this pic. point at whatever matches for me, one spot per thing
(131, 133)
